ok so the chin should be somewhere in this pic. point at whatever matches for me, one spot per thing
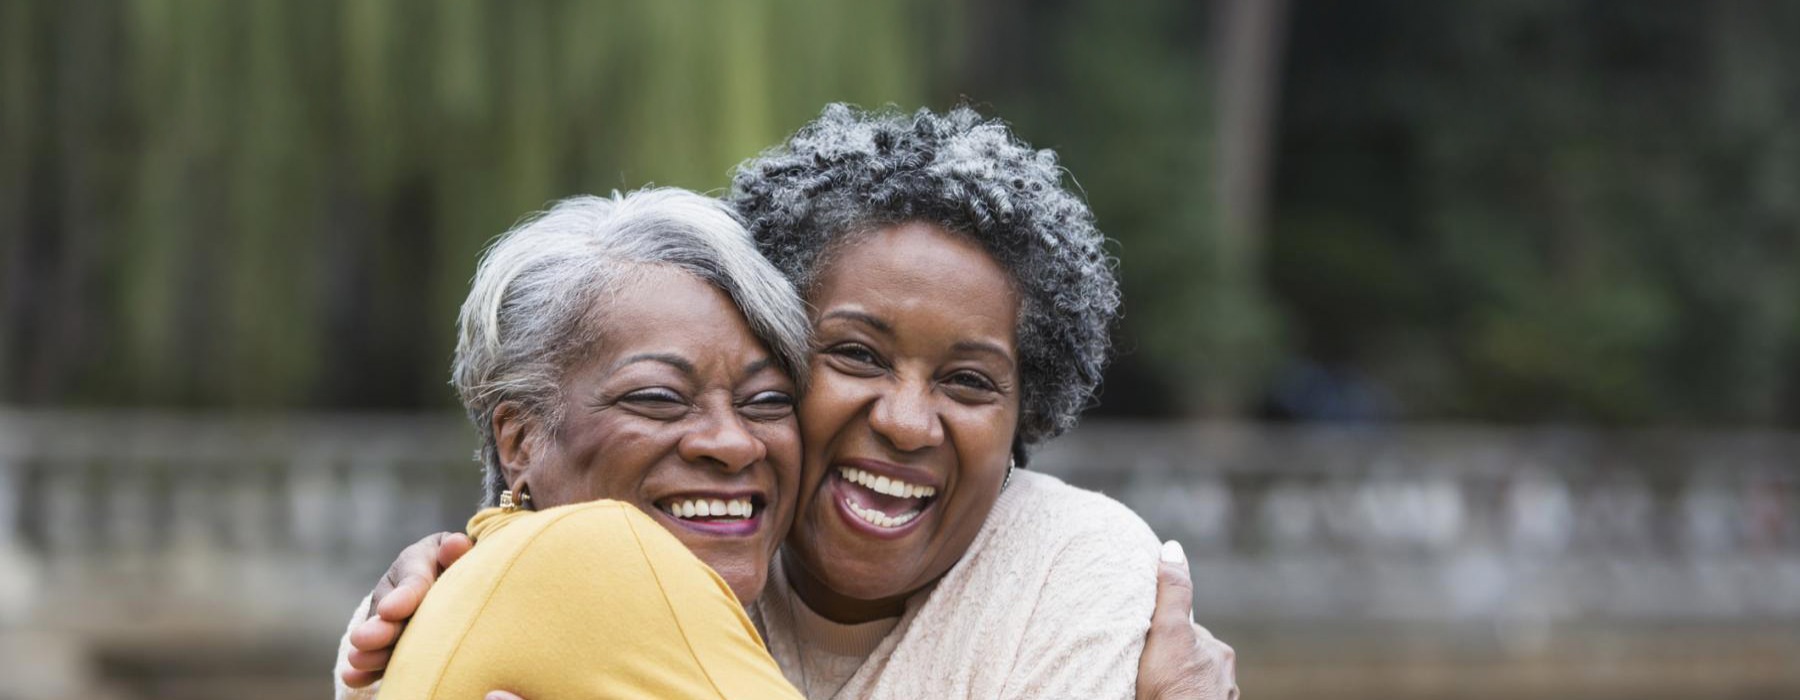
(866, 587)
(858, 578)
(745, 573)
(747, 586)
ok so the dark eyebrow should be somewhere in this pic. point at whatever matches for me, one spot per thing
(676, 361)
(758, 366)
(859, 316)
(985, 347)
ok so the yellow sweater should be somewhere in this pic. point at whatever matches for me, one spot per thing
(585, 601)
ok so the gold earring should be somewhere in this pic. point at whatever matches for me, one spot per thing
(507, 504)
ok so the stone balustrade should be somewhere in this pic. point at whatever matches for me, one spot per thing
(247, 517)
(1424, 523)
(1289, 522)
(124, 529)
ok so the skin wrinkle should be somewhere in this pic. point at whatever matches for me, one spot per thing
(670, 405)
(534, 306)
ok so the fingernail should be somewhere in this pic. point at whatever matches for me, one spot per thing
(1171, 553)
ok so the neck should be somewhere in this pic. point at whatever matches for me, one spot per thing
(832, 605)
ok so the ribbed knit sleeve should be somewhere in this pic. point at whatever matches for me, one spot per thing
(341, 691)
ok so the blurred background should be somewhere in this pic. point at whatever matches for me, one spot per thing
(1462, 345)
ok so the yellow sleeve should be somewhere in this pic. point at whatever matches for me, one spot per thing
(586, 601)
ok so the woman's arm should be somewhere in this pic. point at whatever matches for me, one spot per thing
(590, 600)
(1088, 623)
(376, 623)
(1182, 661)
(1113, 616)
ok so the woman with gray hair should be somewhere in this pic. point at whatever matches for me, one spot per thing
(961, 301)
(632, 360)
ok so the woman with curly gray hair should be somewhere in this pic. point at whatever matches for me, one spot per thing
(961, 301)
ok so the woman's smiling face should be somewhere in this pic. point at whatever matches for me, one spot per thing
(679, 407)
(909, 420)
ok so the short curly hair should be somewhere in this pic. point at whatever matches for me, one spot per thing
(853, 171)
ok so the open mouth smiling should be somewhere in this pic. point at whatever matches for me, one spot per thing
(880, 504)
(718, 514)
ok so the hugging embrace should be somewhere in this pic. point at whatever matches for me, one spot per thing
(776, 446)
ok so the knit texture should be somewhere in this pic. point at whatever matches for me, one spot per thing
(1052, 600)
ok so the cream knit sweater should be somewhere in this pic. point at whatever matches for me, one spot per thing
(1052, 600)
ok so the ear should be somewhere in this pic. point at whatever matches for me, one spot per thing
(515, 441)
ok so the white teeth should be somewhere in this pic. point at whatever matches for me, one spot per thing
(710, 508)
(886, 485)
(878, 518)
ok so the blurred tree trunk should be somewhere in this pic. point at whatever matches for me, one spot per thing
(1750, 270)
(1250, 46)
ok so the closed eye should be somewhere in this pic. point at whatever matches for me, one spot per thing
(974, 380)
(652, 396)
(855, 354)
(768, 405)
(659, 403)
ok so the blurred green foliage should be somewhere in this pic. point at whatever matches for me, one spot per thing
(1480, 210)
(281, 203)
(1546, 210)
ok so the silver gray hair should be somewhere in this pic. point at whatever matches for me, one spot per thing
(853, 171)
(530, 315)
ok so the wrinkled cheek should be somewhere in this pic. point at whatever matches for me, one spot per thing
(812, 477)
(814, 458)
(781, 443)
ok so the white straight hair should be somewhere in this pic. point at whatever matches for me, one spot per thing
(531, 311)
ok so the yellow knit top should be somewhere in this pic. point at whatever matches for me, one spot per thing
(593, 600)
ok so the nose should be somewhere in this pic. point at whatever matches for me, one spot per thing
(906, 419)
(724, 441)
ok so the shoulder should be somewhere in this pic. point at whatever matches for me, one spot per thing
(1072, 541)
(1042, 510)
(601, 529)
(1079, 574)
(1094, 600)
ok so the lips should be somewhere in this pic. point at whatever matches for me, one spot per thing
(880, 499)
(724, 514)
